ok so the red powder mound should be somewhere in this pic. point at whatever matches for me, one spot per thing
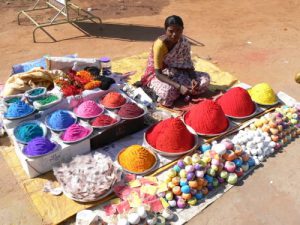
(170, 135)
(113, 99)
(236, 102)
(104, 120)
(207, 117)
(155, 131)
(130, 110)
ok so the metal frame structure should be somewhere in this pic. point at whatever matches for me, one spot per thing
(62, 7)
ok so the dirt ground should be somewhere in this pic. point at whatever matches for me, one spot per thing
(254, 40)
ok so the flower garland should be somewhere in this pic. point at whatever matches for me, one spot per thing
(74, 83)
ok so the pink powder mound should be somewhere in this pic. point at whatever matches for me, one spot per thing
(75, 132)
(88, 109)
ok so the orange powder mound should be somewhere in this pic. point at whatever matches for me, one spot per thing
(136, 158)
(207, 117)
(170, 135)
(113, 99)
(237, 102)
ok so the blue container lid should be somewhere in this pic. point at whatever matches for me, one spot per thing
(105, 59)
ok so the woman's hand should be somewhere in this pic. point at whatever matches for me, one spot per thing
(194, 88)
(183, 90)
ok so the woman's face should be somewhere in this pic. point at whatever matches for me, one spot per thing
(174, 33)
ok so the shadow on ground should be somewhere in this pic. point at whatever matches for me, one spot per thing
(128, 32)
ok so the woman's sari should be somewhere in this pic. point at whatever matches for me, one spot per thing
(175, 64)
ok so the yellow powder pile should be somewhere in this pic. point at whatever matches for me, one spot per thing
(263, 94)
(136, 158)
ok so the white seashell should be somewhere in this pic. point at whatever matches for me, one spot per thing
(260, 158)
(134, 218)
(214, 142)
(272, 144)
(260, 145)
(141, 211)
(253, 151)
(168, 214)
(257, 162)
(259, 151)
(123, 221)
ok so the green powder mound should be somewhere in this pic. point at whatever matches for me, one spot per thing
(13, 100)
(48, 99)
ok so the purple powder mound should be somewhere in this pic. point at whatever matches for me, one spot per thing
(38, 146)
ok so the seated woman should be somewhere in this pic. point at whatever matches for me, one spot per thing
(170, 71)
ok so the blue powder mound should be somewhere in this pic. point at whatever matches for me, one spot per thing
(18, 109)
(60, 120)
(28, 131)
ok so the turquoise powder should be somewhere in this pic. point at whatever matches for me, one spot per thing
(28, 131)
(36, 92)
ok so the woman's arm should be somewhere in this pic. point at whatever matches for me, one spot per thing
(163, 78)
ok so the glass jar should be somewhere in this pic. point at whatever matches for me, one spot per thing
(106, 66)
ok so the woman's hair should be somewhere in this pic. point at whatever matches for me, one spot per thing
(173, 20)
